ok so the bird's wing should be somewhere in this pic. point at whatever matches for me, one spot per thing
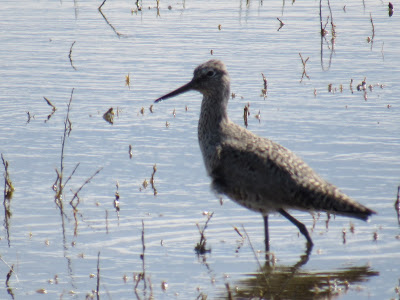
(260, 166)
(269, 174)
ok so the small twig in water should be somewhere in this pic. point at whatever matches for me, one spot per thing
(371, 40)
(59, 185)
(351, 85)
(142, 256)
(281, 24)
(102, 4)
(323, 30)
(142, 276)
(332, 24)
(304, 68)
(8, 186)
(98, 277)
(130, 152)
(30, 116)
(72, 173)
(105, 19)
(128, 81)
(201, 246)
(252, 248)
(11, 268)
(390, 6)
(76, 203)
(50, 104)
(116, 201)
(70, 56)
(397, 204)
(264, 91)
(52, 111)
(229, 291)
(152, 180)
(8, 193)
(106, 221)
(238, 232)
(246, 113)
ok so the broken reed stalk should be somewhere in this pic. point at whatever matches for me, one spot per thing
(58, 185)
(102, 4)
(152, 180)
(8, 276)
(333, 32)
(70, 56)
(75, 204)
(201, 246)
(8, 193)
(323, 31)
(142, 275)
(98, 277)
(105, 19)
(9, 289)
(81, 187)
(142, 257)
(106, 221)
(11, 269)
(72, 173)
(116, 200)
(229, 291)
(8, 186)
(397, 204)
(67, 128)
(281, 24)
(373, 27)
(304, 67)
(50, 104)
(53, 110)
(254, 251)
(264, 91)
(373, 30)
(246, 113)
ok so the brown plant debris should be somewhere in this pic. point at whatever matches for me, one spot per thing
(128, 81)
(264, 91)
(152, 181)
(246, 113)
(109, 116)
(397, 204)
(281, 24)
(304, 68)
(8, 185)
(130, 152)
(70, 56)
(200, 248)
(53, 109)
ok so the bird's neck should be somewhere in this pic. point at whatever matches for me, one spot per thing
(213, 112)
(213, 116)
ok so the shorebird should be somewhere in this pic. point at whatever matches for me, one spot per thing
(253, 171)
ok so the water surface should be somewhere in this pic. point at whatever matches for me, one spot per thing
(352, 142)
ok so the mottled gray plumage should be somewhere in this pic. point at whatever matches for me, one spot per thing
(254, 171)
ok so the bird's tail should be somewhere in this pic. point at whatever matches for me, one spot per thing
(332, 200)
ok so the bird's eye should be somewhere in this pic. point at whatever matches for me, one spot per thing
(210, 73)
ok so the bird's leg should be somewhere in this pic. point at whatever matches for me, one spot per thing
(266, 234)
(300, 226)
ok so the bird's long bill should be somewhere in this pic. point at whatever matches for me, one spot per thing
(182, 89)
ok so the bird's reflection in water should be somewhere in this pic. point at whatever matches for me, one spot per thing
(295, 282)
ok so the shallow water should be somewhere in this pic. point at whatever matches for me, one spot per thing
(352, 142)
